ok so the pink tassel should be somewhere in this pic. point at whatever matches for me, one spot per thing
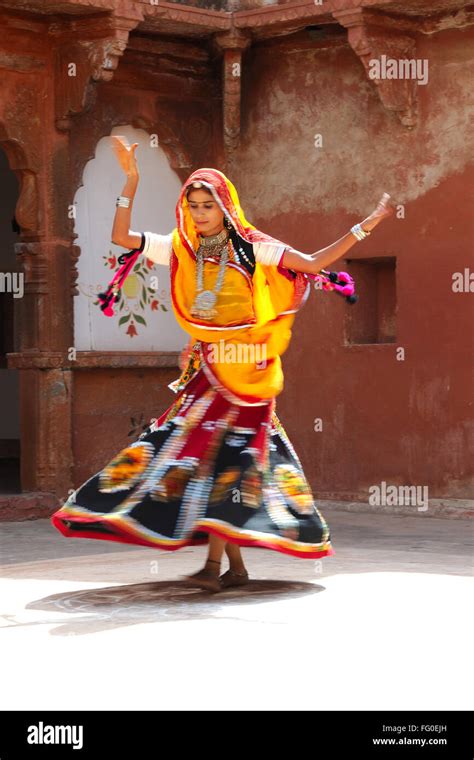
(341, 282)
(108, 298)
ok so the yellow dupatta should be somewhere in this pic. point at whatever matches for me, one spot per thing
(240, 356)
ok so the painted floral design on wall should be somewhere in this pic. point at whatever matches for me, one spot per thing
(136, 295)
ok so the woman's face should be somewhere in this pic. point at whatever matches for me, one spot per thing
(205, 213)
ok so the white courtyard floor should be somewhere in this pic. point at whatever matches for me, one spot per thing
(386, 623)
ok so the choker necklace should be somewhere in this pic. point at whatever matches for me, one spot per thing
(203, 306)
(212, 240)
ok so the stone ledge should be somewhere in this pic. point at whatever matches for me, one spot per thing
(94, 360)
(462, 509)
(31, 505)
(126, 359)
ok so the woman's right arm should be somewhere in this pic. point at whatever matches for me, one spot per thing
(312, 263)
(121, 233)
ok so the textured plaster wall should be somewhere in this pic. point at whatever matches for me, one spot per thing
(405, 422)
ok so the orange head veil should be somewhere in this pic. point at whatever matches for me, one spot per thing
(241, 355)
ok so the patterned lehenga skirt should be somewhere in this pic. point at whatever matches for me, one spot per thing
(207, 465)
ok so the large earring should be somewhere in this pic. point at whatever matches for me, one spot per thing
(227, 223)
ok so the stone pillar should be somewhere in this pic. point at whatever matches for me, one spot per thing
(83, 50)
(46, 335)
(231, 45)
(46, 437)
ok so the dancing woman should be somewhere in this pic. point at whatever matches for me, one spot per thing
(217, 467)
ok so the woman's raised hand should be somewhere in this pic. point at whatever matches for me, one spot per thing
(383, 210)
(125, 155)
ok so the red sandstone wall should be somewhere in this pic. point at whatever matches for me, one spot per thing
(105, 404)
(405, 422)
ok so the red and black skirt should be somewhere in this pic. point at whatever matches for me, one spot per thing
(207, 465)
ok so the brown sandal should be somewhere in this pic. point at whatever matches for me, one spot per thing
(231, 578)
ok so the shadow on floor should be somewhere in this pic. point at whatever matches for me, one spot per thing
(164, 601)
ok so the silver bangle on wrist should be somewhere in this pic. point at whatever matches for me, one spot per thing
(359, 233)
(123, 201)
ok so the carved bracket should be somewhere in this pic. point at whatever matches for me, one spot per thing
(27, 207)
(86, 50)
(389, 58)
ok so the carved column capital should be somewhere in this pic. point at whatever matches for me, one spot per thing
(234, 39)
(35, 264)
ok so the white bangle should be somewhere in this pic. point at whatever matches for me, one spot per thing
(123, 201)
(359, 233)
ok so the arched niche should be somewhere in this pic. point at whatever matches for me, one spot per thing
(154, 328)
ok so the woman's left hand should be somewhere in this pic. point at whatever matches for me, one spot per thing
(383, 210)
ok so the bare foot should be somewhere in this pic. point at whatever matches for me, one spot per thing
(206, 580)
(233, 578)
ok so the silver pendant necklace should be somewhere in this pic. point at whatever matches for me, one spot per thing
(203, 306)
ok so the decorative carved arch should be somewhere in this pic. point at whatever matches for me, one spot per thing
(178, 157)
